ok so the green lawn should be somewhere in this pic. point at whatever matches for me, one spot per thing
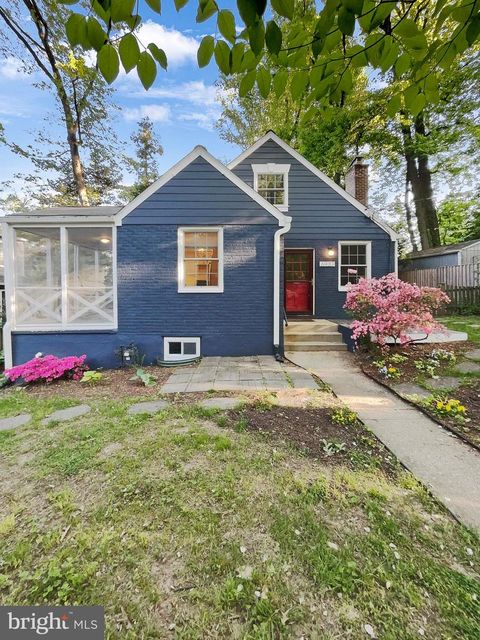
(185, 528)
(469, 324)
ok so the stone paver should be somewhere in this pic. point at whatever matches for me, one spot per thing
(474, 354)
(410, 389)
(450, 468)
(447, 382)
(147, 407)
(468, 367)
(220, 403)
(252, 373)
(15, 421)
(62, 415)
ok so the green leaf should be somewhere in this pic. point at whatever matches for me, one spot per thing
(383, 10)
(120, 10)
(155, 5)
(346, 82)
(222, 56)
(129, 51)
(299, 83)
(359, 57)
(406, 28)
(355, 6)
(284, 8)
(473, 30)
(107, 60)
(68, 1)
(179, 4)
(346, 21)
(96, 35)
(205, 51)
(236, 56)
(410, 95)
(226, 25)
(206, 10)
(389, 53)
(417, 105)
(249, 61)
(248, 11)
(403, 64)
(159, 55)
(394, 105)
(263, 81)
(76, 29)
(280, 80)
(247, 82)
(133, 21)
(273, 37)
(256, 36)
(146, 69)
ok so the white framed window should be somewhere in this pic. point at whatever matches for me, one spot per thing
(64, 278)
(200, 260)
(180, 348)
(271, 182)
(354, 262)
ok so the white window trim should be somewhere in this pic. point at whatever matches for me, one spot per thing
(181, 251)
(270, 168)
(173, 357)
(368, 244)
(64, 326)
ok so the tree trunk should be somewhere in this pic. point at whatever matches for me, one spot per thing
(77, 167)
(408, 212)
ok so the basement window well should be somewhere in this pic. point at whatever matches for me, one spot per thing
(181, 348)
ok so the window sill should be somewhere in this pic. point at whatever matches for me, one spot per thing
(200, 290)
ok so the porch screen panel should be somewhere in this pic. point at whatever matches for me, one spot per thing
(37, 275)
(90, 276)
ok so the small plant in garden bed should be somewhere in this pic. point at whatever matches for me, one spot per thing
(92, 377)
(450, 408)
(344, 416)
(145, 378)
(48, 368)
(331, 447)
(435, 360)
(387, 370)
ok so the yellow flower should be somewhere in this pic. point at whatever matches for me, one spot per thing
(439, 405)
(391, 369)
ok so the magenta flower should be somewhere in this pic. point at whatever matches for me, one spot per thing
(48, 368)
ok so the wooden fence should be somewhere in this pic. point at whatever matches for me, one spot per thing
(461, 283)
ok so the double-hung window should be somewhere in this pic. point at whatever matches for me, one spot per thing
(271, 182)
(355, 262)
(63, 278)
(200, 260)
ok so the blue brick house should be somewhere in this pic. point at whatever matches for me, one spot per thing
(206, 261)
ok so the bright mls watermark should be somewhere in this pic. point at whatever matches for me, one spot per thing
(25, 623)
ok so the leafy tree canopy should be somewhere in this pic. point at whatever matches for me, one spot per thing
(346, 35)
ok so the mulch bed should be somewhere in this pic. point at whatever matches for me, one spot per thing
(468, 393)
(115, 384)
(306, 428)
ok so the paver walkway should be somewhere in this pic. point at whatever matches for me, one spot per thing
(256, 373)
(447, 466)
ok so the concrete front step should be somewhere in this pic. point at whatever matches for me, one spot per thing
(331, 336)
(315, 346)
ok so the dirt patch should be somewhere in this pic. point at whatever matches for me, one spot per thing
(109, 450)
(312, 431)
(468, 393)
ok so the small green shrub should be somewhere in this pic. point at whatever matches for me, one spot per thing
(145, 378)
(331, 448)
(92, 377)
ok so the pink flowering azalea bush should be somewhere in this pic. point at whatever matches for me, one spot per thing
(387, 307)
(48, 368)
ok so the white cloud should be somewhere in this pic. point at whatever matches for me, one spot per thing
(204, 120)
(180, 49)
(156, 112)
(195, 92)
(11, 69)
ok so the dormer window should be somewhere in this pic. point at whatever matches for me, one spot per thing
(271, 182)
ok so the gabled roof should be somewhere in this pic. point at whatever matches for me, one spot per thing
(270, 135)
(443, 250)
(201, 152)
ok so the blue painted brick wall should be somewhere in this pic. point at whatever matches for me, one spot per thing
(237, 322)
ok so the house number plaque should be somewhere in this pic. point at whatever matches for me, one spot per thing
(326, 263)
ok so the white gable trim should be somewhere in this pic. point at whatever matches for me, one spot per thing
(201, 152)
(346, 196)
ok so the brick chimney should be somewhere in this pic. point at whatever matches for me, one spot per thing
(356, 180)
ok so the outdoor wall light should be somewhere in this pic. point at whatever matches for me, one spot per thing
(330, 252)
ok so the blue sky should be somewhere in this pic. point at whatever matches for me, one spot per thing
(181, 102)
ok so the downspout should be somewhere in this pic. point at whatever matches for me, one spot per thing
(395, 257)
(276, 284)
(8, 276)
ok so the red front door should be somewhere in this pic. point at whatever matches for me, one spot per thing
(299, 280)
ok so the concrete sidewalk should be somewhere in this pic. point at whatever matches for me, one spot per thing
(447, 466)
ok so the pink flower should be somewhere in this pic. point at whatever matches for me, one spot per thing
(48, 368)
(387, 307)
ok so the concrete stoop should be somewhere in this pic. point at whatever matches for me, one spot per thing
(319, 335)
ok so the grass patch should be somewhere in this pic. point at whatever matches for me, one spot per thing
(464, 323)
(184, 527)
